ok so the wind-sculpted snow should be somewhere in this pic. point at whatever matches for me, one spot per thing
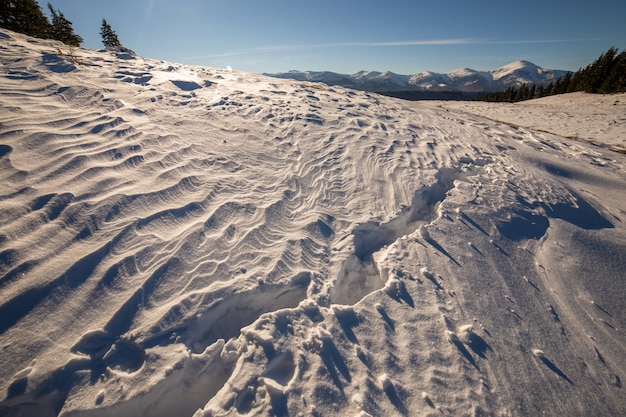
(180, 240)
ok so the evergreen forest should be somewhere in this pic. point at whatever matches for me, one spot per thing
(606, 75)
(25, 16)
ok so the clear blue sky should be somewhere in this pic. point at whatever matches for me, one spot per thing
(350, 35)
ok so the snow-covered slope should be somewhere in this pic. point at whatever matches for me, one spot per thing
(463, 79)
(179, 240)
(597, 119)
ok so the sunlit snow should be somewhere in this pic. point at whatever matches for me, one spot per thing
(190, 241)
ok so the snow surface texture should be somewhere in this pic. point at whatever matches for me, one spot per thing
(597, 119)
(179, 240)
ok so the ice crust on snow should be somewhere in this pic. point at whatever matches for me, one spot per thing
(179, 240)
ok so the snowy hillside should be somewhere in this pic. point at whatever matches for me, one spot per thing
(189, 241)
(463, 80)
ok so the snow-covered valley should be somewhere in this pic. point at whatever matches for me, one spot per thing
(190, 241)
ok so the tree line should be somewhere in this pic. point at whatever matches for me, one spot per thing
(606, 75)
(26, 16)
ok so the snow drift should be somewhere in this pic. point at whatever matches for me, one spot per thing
(180, 240)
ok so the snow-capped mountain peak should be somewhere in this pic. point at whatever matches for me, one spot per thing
(521, 70)
(462, 79)
(462, 72)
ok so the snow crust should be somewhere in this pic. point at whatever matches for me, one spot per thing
(189, 241)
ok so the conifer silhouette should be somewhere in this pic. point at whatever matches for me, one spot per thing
(62, 28)
(109, 37)
(24, 16)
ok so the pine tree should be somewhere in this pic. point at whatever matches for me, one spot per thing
(510, 94)
(24, 16)
(602, 69)
(566, 82)
(615, 80)
(541, 91)
(62, 28)
(522, 93)
(605, 75)
(109, 37)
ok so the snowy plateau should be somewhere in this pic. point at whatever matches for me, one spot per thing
(191, 241)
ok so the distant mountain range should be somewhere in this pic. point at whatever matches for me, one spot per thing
(462, 80)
